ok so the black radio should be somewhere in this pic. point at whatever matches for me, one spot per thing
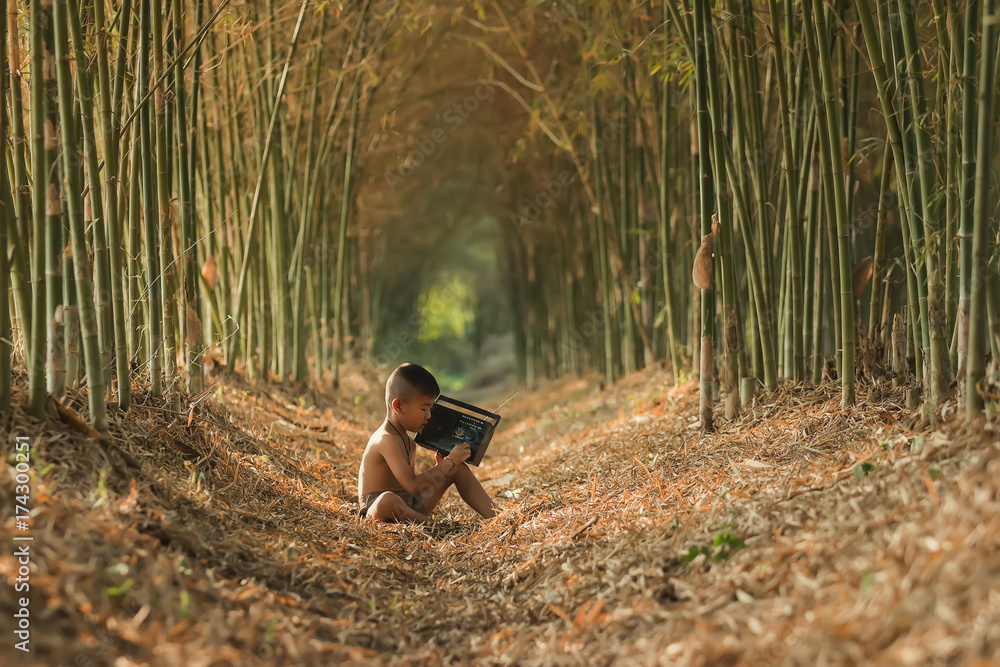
(453, 422)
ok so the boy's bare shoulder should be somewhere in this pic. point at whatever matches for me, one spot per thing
(376, 439)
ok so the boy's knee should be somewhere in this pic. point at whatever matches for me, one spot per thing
(455, 472)
(384, 506)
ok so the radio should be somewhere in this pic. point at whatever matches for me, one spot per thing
(452, 423)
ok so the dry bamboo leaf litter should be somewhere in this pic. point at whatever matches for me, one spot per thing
(241, 547)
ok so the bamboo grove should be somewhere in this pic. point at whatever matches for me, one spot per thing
(784, 156)
(750, 192)
(177, 179)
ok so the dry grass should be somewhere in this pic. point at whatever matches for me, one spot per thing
(228, 537)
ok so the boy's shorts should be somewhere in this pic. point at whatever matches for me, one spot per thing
(414, 502)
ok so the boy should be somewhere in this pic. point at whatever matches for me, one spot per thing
(389, 488)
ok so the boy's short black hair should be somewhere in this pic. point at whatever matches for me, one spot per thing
(409, 379)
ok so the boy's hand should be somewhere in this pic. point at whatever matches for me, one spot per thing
(460, 454)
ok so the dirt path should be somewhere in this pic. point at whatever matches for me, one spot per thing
(799, 534)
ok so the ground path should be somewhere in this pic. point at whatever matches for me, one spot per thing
(798, 531)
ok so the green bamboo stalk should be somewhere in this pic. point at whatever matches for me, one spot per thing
(149, 200)
(706, 190)
(600, 221)
(39, 178)
(968, 184)
(878, 256)
(785, 352)
(762, 321)
(819, 285)
(254, 207)
(193, 348)
(136, 302)
(917, 310)
(625, 219)
(299, 338)
(7, 220)
(21, 215)
(940, 376)
(111, 135)
(790, 169)
(55, 241)
(338, 292)
(952, 158)
(820, 52)
(732, 336)
(811, 346)
(101, 259)
(666, 253)
(917, 230)
(980, 271)
(645, 288)
(165, 227)
(74, 205)
(746, 63)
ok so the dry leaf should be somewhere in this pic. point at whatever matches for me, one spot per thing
(194, 333)
(210, 272)
(702, 274)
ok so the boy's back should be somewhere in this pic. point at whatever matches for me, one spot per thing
(375, 474)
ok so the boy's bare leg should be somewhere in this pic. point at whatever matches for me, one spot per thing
(473, 493)
(468, 486)
(390, 507)
(432, 490)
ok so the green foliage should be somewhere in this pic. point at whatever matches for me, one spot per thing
(446, 310)
(723, 544)
(119, 591)
(864, 469)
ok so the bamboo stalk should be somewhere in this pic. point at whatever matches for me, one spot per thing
(101, 259)
(193, 348)
(820, 52)
(666, 253)
(940, 376)
(878, 256)
(74, 205)
(254, 206)
(20, 219)
(39, 178)
(980, 271)
(732, 337)
(610, 370)
(165, 221)
(790, 168)
(305, 221)
(149, 199)
(7, 221)
(338, 292)
(706, 188)
(111, 134)
(968, 184)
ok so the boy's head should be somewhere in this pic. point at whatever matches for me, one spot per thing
(409, 393)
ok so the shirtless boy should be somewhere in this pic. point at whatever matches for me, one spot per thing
(389, 488)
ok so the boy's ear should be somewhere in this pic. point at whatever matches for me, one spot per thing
(397, 405)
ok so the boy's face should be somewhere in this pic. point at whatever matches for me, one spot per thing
(414, 413)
